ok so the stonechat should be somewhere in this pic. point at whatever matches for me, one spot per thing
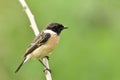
(43, 44)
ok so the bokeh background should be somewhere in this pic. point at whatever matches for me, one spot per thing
(88, 50)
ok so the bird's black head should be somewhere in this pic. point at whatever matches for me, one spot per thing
(56, 27)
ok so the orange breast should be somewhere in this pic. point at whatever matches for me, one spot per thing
(52, 42)
(45, 49)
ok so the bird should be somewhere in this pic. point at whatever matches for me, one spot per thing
(43, 44)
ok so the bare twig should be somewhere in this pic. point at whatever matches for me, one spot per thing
(36, 32)
(47, 73)
(30, 16)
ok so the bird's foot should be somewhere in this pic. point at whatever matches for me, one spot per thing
(47, 57)
(47, 70)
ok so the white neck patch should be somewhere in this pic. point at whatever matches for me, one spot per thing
(49, 31)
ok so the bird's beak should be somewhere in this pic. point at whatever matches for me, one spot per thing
(65, 27)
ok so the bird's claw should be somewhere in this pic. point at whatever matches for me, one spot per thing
(47, 70)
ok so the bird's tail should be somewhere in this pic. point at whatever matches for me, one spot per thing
(25, 59)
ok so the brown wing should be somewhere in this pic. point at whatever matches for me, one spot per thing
(41, 39)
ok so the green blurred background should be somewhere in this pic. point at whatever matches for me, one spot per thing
(88, 50)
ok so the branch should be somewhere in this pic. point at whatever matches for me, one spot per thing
(36, 32)
(30, 16)
(47, 73)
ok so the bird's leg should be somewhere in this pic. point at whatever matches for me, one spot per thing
(46, 68)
